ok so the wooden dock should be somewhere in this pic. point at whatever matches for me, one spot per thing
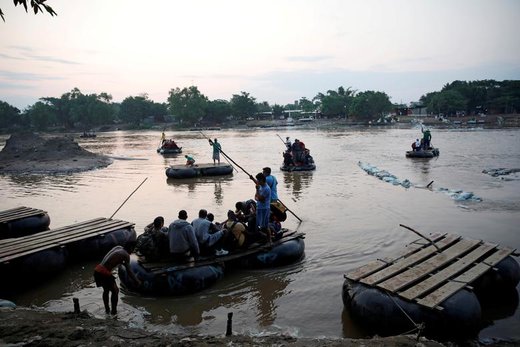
(429, 273)
(11, 249)
(19, 213)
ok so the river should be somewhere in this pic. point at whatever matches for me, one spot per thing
(350, 218)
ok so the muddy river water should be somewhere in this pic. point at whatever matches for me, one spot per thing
(349, 218)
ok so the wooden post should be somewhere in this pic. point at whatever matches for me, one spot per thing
(229, 328)
(76, 305)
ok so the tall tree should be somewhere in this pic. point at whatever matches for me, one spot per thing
(217, 111)
(370, 105)
(9, 115)
(243, 105)
(188, 104)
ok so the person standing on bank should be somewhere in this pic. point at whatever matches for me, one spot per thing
(216, 150)
(263, 204)
(271, 182)
(183, 242)
(103, 273)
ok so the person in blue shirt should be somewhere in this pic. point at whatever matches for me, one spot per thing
(271, 182)
(216, 150)
(263, 204)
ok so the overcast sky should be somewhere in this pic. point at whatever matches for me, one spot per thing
(278, 51)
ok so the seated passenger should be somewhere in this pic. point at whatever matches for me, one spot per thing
(275, 228)
(153, 243)
(237, 230)
(209, 244)
(183, 242)
(245, 210)
(287, 158)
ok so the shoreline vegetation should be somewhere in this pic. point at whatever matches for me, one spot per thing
(486, 121)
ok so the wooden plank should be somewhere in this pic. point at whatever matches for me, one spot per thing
(7, 250)
(404, 263)
(442, 276)
(379, 264)
(423, 269)
(52, 234)
(19, 213)
(63, 241)
(39, 247)
(436, 298)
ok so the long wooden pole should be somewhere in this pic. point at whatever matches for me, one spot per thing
(251, 177)
(281, 139)
(421, 235)
(220, 149)
(124, 202)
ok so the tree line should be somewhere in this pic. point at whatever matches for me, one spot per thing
(188, 106)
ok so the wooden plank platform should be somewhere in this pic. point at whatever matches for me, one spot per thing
(429, 276)
(19, 213)
(15, 248)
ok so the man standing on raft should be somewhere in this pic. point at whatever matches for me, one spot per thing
(216, 150)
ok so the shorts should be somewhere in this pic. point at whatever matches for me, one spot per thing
(105, 281)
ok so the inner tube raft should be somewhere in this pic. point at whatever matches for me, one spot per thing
(425, 153)
(308, 167)
(460, 315)
(183, 171)
(23, 221)
(98, 246)
(170, 279)
(382, 313)
(281, 254)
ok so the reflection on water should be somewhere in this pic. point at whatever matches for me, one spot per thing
(297, 182)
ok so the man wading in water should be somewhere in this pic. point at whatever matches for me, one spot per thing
(103, 273)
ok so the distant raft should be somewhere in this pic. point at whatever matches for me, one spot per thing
(303, 167)
(23, 221)
(434, 288)
(424, 153)
(172, 279)
(198, 170)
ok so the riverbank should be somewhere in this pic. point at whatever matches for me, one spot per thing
(35, 154)
(36, 327)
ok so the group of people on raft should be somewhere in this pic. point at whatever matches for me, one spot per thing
(296, 154)
(424, 143)
(168, 143)
(253, 221)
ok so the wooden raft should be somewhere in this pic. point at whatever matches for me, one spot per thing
(428, 275)
(19, 213)
(15, 248)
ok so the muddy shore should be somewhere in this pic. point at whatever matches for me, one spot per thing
(37, 327)
(30, 153)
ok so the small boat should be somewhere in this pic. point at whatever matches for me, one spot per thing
(169, 147)
(197, 170)
(424, 153)
(304, 167)
(435, 286)
(88, 134)
(23, 221)
(167, 278)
